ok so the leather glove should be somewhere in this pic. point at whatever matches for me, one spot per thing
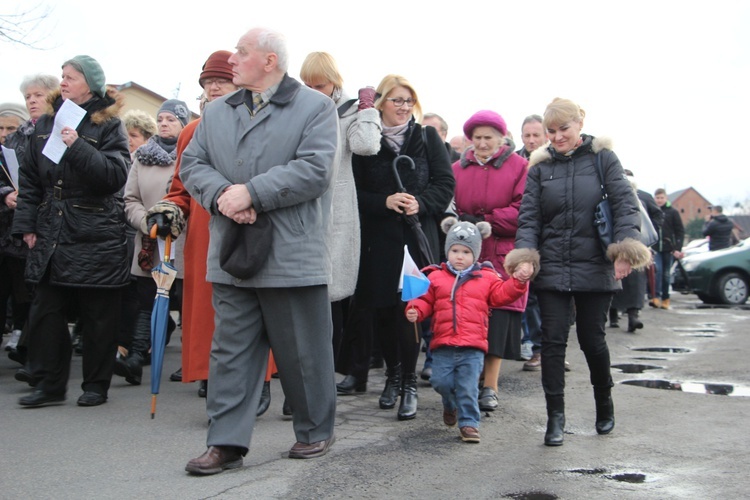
(163, 226)
(366, 98)
(471, 218)
(170, 220)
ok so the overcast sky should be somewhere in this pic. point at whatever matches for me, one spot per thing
(668, 81)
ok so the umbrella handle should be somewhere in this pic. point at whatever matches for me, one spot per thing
(167, 243)
(153, 406)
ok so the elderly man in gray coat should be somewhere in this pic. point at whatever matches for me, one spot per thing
(265, 153)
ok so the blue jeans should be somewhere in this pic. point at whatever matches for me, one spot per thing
(663, 264)
(455, 376)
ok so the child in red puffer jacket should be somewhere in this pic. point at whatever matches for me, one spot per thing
(459, 299)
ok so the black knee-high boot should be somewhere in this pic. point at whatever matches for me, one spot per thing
(392, 388)
(605, 410)
(408, 407)
(633, 322)
(555, 421)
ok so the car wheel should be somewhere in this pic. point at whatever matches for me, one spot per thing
(732, 288)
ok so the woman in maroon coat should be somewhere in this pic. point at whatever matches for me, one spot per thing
(490, 179)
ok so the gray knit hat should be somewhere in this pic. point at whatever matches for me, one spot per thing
(177, 108)
(466, 234)
(92, 71)
(13, 109)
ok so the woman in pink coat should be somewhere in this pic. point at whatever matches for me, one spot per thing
(490, 180)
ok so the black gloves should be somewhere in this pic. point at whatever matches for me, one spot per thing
(471, 218)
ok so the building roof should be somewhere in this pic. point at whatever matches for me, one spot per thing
(673, 196)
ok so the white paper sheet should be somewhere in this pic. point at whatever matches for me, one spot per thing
(11, 163)
(69, 115)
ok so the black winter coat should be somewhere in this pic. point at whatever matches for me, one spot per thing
(17, 141)
(74, 207)
(384, 232)
(671, 232)
(557, 216)
(719, 232)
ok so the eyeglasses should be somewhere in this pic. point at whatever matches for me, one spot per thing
(219, 81)
(400, 101)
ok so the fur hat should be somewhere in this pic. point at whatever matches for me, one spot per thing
(466, 234)
(177, 108)
(485, 118)
(13, 109)
(217, 66)
(92, 72)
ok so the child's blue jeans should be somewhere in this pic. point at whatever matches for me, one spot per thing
(455, 376)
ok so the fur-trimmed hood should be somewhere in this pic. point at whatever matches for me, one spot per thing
(594, 144)
(101, 109)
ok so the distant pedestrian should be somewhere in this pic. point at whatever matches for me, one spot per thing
(669, 247)
(718, 229)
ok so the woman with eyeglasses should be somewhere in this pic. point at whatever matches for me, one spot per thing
(428, 189)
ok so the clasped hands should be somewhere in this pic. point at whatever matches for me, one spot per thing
(524, 272)
(402, 203)
(237, 204)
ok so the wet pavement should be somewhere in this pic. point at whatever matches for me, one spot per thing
(689, 440)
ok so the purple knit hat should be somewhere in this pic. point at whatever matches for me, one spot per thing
(485, 118)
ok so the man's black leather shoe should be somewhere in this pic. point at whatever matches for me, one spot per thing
(40, 398)
(90, 398)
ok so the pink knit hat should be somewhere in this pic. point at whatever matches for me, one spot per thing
(485, 118)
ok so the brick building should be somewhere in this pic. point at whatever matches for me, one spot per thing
(690, 204)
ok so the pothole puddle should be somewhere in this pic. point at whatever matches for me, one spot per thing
(671, 350)
(719, 389)
(635, 367)
(532, 495)
(628, 477)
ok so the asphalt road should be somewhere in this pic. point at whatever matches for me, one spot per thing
(666, 443)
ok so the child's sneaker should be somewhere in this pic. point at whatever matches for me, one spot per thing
(469, 434)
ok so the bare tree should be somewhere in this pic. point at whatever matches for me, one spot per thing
(23, 27)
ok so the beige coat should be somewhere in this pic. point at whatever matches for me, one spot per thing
(146, 185)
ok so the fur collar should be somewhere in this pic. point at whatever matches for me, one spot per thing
(106, 108)
(152, 154)
(545, 154)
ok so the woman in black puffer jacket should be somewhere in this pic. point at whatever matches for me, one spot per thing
(556, 217)
(71, 215)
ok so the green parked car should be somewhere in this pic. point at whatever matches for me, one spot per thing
(718, 277)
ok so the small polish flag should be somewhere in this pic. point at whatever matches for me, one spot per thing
(413, 282)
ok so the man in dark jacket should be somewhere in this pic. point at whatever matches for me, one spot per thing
(718, 229)
(669, 246)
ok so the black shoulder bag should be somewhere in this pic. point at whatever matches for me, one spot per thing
(603, 219)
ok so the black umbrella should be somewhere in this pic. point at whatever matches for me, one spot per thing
(413, 220)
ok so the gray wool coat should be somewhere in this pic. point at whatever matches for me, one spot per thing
(285, 157)
(360, 133)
